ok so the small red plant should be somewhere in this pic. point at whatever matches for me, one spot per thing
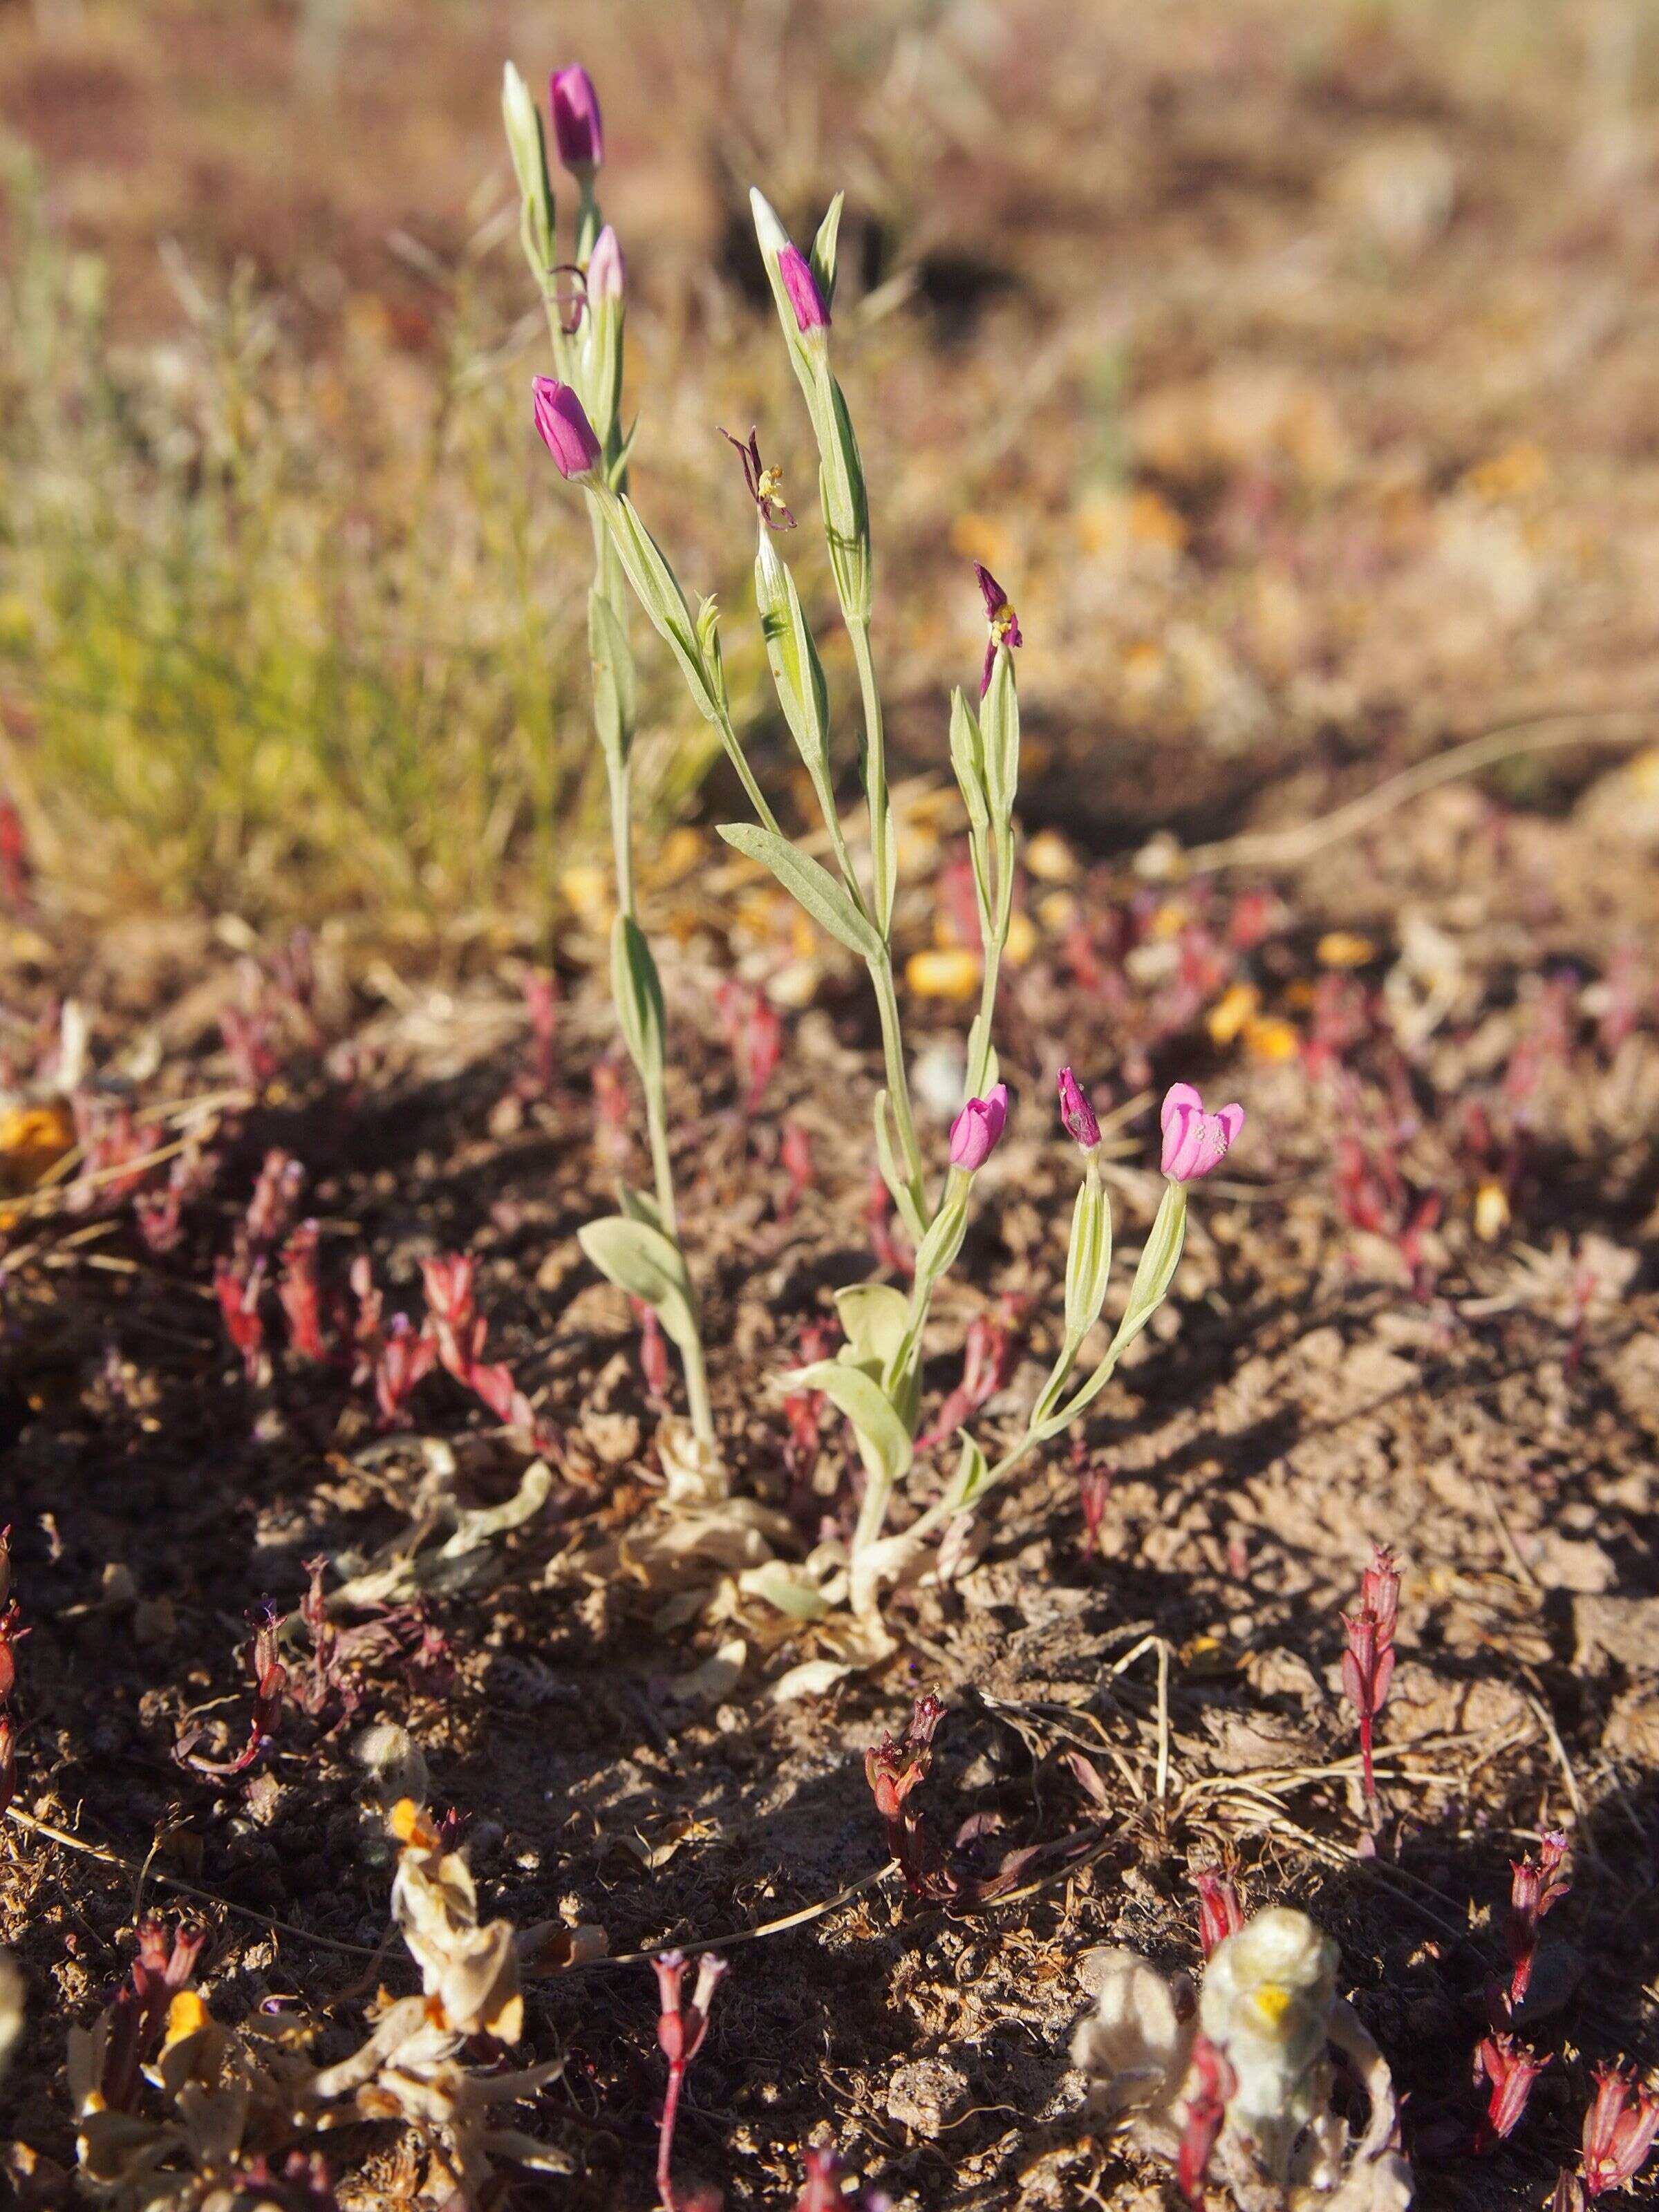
(270, 1683)
(11, 1634)
(1206, 2108)
(795, 1151)
(1219, 1912)
(893, 1768)
(654, 1350)
(239, 1285)
(166, 1962)
(1535, 1886)
(460, 1330)
(1511, 2069)
(1618, 2134)
(1094, 1488)
(988, 1361)
(754, 1037)
(1368, 1662)
(680, 2033)
(298, 1292)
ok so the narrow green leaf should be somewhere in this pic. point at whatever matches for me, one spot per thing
(998, 722)
(1088, 1260)
(1158, 1264)
(823, 250)
(814, 887)
(972, 1469)
(939, 1247)
(968, 760)
(638, 992)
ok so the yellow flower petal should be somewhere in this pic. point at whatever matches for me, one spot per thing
(1231, 1011)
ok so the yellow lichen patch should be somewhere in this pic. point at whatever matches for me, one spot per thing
(409, 1824)
(1343, 948)
(1236, 1006)
(982, 538)
(943, 973)
(1050, 858)
(680, 852)
(1491, 1211)
(1153, 521)
(1270, 1038)
(586, 889)
(33, 1139)
(186, 2015)
(1515, 472)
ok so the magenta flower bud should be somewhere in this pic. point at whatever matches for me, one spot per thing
(1076, 1112)
(974, 1132)
(798, 282)
(607, 272)
(565, 429)
(1004, 622)
(1195, 1142)
(578, 127)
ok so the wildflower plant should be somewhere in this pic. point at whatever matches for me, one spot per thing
(875, 1380)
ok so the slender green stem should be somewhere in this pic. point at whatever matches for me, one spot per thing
(875, 779)
(898, 1087)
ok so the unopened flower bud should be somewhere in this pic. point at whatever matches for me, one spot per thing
(1076, 1112)
(798, 282)
(607, 272)
(565, 429)
(974, 1132)
(578, 127)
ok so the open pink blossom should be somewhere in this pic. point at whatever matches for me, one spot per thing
(974, 1132)
(578, 126)
(1195, 1142)
(565, 429)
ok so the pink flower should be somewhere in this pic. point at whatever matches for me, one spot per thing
(974, 1132)
(565, 429)
(607, 272)
(1195, 1142)
(798, 282)
(1076, 1112)
(1005, 623)
(577, 124)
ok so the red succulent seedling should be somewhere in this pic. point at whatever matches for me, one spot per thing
(680, 2032)
(1368, 1662)
(1618, 2133)
(1536, 1885)
(1206, 2108)
(270, 1684)
(894, 1768)
(1511, 2069)
(1219, 1912)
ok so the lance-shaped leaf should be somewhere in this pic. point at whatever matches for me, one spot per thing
(637, 991)
(822, 256)
(973, 1471)
(613, 679)
(814, 887)
(797, 671)
(1153, 1276)
(939, 1247)
(968, 760)
(642, 1261)
(882, 1436)
(999, 722)
(846, 503)
(1089, 1261)
(527, 144)
(658, 590)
